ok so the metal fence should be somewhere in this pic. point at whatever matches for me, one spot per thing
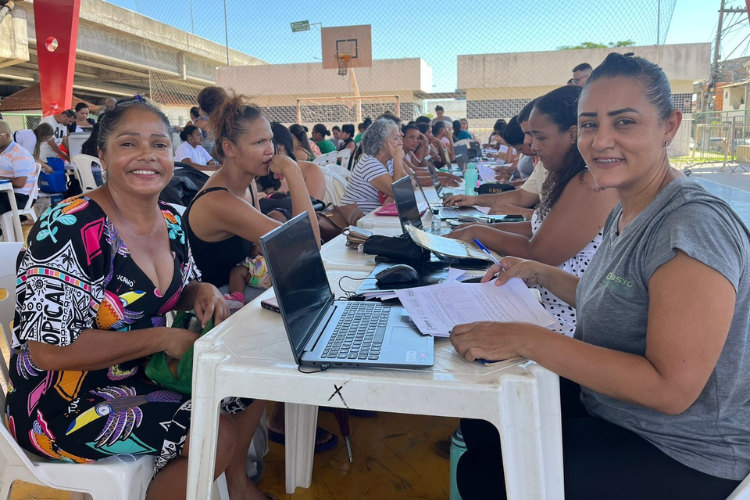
(720, 138)
(449, 42)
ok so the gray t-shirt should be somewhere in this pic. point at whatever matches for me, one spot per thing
(713, 435)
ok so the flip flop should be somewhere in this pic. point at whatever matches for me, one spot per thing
(278, 437)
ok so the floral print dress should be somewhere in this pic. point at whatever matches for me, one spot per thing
(75, 274)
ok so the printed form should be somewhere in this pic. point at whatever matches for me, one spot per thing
(436, 309)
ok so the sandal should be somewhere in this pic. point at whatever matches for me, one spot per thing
(280, 438)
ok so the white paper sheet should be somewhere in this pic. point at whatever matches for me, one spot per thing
(436, 309)
(486, 174)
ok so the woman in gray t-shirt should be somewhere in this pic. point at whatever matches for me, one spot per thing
(662, 343)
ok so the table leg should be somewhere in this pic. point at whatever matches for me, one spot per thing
(204, 429)
(519, 424)
(300, 422)
(548, 385)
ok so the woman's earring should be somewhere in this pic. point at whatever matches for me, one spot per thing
(105, 175)
(666, 143)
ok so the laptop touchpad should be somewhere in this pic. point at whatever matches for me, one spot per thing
(402, 335)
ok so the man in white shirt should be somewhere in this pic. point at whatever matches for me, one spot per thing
(59, 123)
(17, 166)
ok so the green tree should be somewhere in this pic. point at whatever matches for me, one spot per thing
(592, 45)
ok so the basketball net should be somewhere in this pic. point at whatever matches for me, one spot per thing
(343, 63)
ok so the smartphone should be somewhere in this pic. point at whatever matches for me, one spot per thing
(271, 304)
(364, 233)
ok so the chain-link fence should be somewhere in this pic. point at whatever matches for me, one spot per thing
(718, 138)
(481, 61)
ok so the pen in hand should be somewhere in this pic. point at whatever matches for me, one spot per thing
(485, 250)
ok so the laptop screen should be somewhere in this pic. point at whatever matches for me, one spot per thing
(298, 277)
(462, 155)
(434, 174)
(406, 203)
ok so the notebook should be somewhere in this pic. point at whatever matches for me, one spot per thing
(324, 332)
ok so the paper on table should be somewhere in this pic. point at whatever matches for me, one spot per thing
(454, 274)
(436, 309)
(486, 174)
(447, 246)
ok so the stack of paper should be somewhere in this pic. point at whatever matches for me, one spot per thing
(446, 246)
(437, 309)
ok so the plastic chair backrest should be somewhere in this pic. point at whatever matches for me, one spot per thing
(83, 167)
(335, 186)
(8, 255)
(344, 156)
(34, 192)
(342, 171)
(326, 158)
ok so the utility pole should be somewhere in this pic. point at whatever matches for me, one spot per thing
(717, 46)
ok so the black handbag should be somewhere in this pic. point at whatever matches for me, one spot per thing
(397, 248)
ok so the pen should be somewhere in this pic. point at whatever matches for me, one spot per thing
(513, 175)
(484, 249)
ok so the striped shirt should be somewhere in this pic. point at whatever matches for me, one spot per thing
(17, 162)
(360, 190)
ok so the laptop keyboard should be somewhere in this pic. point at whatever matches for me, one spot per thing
(360, 332)
(451, 213)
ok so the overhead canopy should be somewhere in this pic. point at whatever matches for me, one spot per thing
(30, 99)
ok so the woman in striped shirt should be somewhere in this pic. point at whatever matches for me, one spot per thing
(380, 165)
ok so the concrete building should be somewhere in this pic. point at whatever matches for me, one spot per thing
(277, 87)
(499, 85)
(120, 53)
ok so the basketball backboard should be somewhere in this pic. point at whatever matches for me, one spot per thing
(354, 41)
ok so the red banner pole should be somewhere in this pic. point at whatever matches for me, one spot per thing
(56, 24)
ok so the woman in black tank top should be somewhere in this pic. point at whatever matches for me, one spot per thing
(223, 221)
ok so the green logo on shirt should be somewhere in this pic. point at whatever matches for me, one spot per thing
(618, 285)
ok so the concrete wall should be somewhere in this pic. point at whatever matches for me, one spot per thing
(499, 85)
(13, 46)
(686, 62)
(386, 76)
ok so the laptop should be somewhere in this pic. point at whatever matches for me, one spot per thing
(449, 212)
(324, 332)
(475, 151)
(462, 156)
(408, 209)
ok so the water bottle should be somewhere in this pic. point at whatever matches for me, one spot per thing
(458, 447)
(470, 179)
(435, 224)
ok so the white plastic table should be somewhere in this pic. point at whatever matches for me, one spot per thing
(18, 231)
(249, 356)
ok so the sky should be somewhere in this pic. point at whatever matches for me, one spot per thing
(407, 29)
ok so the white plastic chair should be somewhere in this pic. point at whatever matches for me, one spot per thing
(742, 492)
(326, 159)
(344, 156)
(342, 171)
(335, 186)
(27, 210)
(83, 172)
(121, 478)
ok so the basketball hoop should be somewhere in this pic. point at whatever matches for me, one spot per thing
(343, 60)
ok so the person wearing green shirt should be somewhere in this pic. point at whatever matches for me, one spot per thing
(319, 133)
(458, 134)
